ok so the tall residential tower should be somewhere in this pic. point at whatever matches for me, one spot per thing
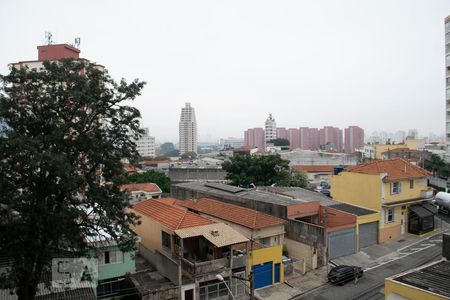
(188, 130)
(447, 73)
(270, 132)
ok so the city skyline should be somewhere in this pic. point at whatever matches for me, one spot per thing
(375, 64)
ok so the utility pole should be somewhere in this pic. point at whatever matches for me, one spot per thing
(325, 242)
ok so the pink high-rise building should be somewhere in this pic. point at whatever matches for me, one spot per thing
(353, 139)
(304, 138)
(282, 133)
(331, 135)
(293, 135)
(254, 137)
(314, 139)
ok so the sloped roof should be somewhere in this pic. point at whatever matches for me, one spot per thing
(147, 187)
(218, 234)
(171, 201)
(236, 214)
(311, 168)
(174, 217)
(395, 168)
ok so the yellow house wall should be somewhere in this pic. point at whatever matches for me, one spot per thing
(406, 193)
(150, 233)
(361, 190)
(391, 231)
(273, 254)
(392, 289)
(380, 148)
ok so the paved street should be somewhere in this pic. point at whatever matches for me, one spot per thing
(370, 286)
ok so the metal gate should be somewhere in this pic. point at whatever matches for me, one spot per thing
(368, 234)
(341, 243)
(262, 275)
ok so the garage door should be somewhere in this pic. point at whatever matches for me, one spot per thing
(341, 243)
(262, 275)
(368, 234)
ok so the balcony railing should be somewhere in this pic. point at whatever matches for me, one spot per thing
(239, 261)
(205, 267)
(426, 193)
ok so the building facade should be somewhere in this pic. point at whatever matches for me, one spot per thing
(447, 80)
(188, 130)
(254, 137)
(353, 139)
(331, 136)
(145, 145)
(270, 132)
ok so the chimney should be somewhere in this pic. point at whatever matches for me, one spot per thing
(446, 245)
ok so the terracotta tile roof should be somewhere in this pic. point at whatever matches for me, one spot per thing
(236, 214)
(147, 187)
(172, 201)
(129, 168)
(173, 217)
(396, 169)
(310, 168)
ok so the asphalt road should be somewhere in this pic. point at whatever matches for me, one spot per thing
(370, 286)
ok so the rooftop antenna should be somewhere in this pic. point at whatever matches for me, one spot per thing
(77, 42)
(48, 38)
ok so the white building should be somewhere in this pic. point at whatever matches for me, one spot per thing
(232, 142)
(413, 133)
(270, 132)
(146, 145)
(188, 130)
(399, 137)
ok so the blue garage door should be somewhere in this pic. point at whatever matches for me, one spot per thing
(277, 273)
(262, 275)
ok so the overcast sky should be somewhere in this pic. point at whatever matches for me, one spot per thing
(378, 64)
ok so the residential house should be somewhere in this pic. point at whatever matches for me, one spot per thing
(142, 191)
(265, 259)
(191, 250)
(395, 188)
(315, 172)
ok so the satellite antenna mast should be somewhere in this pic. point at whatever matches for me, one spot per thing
(48, 38)
(77, 42)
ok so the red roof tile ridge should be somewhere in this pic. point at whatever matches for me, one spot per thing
(181, 219)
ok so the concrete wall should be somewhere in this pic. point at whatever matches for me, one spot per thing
(302, 251)
(304, 232)
(196, 174)
(362, 190)
(303, 209)
(338, 220)
(166, 266)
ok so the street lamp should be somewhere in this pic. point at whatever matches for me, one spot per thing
(220, 278)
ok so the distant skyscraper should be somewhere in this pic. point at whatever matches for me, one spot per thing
(282, 133)
(331, 135)
(146, 145)
(413, 133)
(271, 129)
(314, 138)
(254, 137)
(447, 59)
(354, 139)
(188, 130)
(399, 137)
(294, 138)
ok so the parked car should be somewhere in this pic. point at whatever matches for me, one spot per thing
(343, 274)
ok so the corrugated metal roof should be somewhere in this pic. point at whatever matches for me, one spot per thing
(218, 234)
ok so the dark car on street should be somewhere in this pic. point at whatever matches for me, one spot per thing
(343, 274)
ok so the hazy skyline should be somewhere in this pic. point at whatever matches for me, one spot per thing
(376, 64)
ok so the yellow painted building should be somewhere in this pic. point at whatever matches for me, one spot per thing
(265, 261)
(389, 187)
(424, 283)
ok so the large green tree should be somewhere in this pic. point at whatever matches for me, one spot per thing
(159, 178)
(60, 164)
(261, 171)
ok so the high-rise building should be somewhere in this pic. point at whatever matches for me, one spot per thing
(282, 133)
(188, 130)
(413, 133)
(399, 137)
(331, 136)
(314, 138)
(447, 73)
(254, 137)
(293, 135)
(354, 139)
(145, 145)
(270, 132)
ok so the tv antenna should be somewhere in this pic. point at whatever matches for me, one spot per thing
(77, 42)
(48, 38)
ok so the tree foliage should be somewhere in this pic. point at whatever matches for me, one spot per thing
(173, 153)
(189, 155)
(261, 171)
(280, 142)
(166, 148)
(60, 164)
(438, 166)
(156, 177)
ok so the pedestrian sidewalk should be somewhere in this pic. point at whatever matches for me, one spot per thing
(377, 255)
(295, 284)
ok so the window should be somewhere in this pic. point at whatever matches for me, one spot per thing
(110, 257)
(411, 184)
(265, 241)
(390, 215)
(396, 187)
(166, 240)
